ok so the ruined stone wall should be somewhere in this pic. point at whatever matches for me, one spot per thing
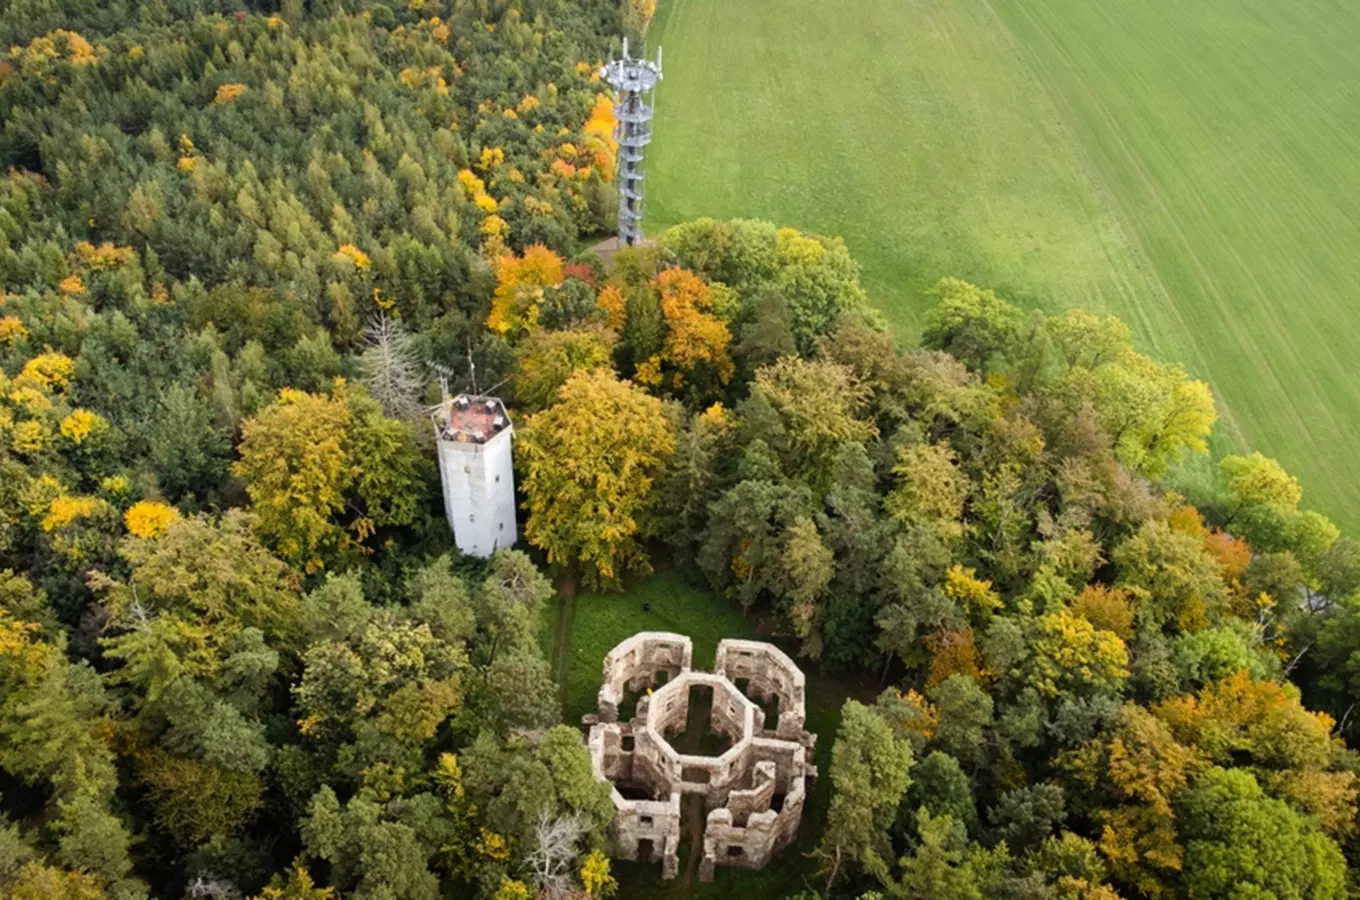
(754, 791)
(639, 824)
(655, 762)
(634, 664)
(733, 716)
(647, 831)
(666, 710)
(770, 675)
(756, 799)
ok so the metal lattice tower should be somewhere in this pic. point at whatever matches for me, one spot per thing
(631, 79)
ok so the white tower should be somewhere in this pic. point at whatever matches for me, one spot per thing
(473, 436)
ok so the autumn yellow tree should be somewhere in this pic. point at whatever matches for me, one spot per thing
(599, 141)
(1073, 657)
(589, 462)
(975, 595)
(695, 349)
(1143, 770)
(931, 488)
(545, 360)
(953, 651)
(1258, 479)
(310, 460)
(1106, 609)
(1152, 411)
(520, 281)
(637, 14)
(296, 469)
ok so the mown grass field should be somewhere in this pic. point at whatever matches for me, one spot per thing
(1193, 168)
(600, 621)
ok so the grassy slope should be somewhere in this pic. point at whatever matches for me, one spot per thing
(1192, 168)
(601, 621)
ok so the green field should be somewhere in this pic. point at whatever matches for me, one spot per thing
(1192, 166)
(600, 621)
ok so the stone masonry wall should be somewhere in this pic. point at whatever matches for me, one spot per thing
(634, 664)
(754, 791)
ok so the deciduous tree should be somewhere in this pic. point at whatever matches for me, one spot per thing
(546, 359)
(589, 462)
(870, 772)
(519, 290)
(806, 410)
(973, 325)
(307, 459)
(1239, 842)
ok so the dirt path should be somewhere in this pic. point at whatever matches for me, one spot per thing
(692, 826)
(559, 657)
(692, 805)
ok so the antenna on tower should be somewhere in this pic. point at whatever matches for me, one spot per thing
(472, 370)
(631, 78)
(446, 378)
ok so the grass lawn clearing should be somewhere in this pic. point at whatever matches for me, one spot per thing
(600, 621)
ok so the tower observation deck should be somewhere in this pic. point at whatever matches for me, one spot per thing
(634, 82)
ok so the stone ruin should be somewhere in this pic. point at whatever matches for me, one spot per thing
(753, 791)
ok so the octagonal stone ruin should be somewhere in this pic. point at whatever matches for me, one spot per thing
(753, 791)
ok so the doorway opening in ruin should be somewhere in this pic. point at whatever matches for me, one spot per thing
(645, 850)
(770, 706)
(629, 701)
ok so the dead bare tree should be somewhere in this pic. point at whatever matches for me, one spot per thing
(391, 368)
(552, 864)
(210, 888)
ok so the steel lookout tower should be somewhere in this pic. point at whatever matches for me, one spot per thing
(634, 82)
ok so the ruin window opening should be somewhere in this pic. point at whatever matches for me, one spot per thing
(630, 790)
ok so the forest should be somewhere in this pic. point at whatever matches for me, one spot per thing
(240, 656)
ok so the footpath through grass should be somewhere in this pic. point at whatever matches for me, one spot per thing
(601, 621)
(1193, 168)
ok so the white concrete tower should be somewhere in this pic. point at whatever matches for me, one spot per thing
(473, 436)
